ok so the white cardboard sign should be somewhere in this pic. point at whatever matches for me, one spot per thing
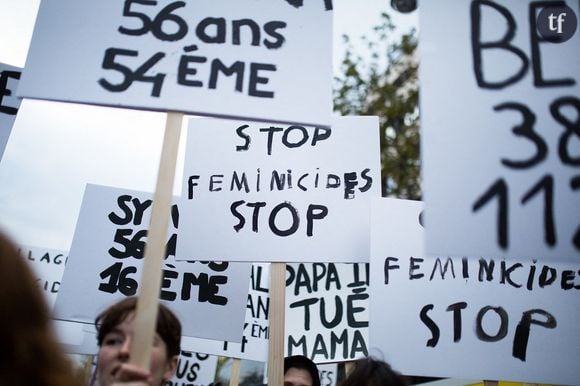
(9, 103)
(105, 261)
(86, 339)
(500, 113)
(254, 344)
(258, 59)
(266, 192)
(194, 369)
(48, 266)
(470, 318)
(326, 315)
(327, 372)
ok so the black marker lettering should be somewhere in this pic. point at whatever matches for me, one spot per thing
(478, 46)
(502, 330)
(431, 325)
(456, 308)
(522, 333)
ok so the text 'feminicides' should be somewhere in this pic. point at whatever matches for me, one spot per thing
(516, 318)
(265, 183)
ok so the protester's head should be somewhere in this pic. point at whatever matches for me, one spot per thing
(300, 371)
(30, 354)
(373, 372)
(114, 337)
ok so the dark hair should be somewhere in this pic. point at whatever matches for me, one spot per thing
(373, 372)
(30, 355)
(304, 363)
(168, 326)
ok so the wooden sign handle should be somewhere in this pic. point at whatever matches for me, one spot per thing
(276, 322)
(235, 374)
(348, 366)
(150, 284)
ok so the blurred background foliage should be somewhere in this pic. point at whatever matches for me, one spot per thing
(383, 81)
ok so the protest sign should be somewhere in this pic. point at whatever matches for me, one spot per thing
(328, 311)
(326, 315)
(259, 59)
(471, 318)
(106, 257)
(328, 373)
(500, 113)
(254, 344)
(194, 369)
(85, 342)
(48, 266)
(279, 193)
(9, 104)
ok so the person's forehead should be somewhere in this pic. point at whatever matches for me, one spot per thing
(124, 326)
(295, 373)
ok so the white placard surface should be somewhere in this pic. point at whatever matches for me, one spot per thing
(469, 318)
(254, 344)
(48, 266)
(86, 344)
(328, 373)
(9, 103)
(500, 112)
(266, 192)
(326, 315)
(105, 263)
(194, 369)
(258, 59)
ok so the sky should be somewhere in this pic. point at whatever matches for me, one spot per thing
(54, 150)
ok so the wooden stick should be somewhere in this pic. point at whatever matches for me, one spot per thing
(88, 369)
(348, 368)
(150, 284)
(276, 322)
(235, 375)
